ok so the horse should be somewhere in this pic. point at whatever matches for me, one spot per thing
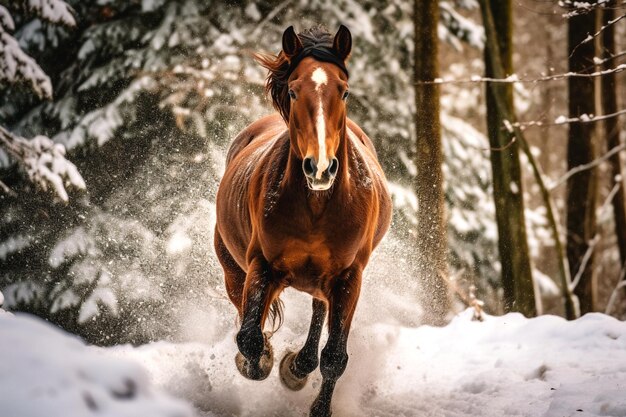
(303, 203)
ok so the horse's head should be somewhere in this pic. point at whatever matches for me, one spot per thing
(311, 97)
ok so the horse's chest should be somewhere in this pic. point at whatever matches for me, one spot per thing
(308, 255)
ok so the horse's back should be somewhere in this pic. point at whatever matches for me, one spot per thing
(265, 128)
(359, 134)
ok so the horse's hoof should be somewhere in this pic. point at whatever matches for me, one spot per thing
(287, 377)
(260, 370)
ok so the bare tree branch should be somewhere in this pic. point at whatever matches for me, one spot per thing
(584, 167)
(512, 79)
(594, 241)
(562, 120)
(598, 33)
(580, 8)
(621, 283)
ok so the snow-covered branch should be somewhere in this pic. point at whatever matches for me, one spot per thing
(461, 27)
(563, 120)
(6, 21)
(44, 162)
(512, 79)
(18, 68)
(578, 7)
(256, 32)
(53, 11)
(594, 241)
(584, 167)
(599, 32)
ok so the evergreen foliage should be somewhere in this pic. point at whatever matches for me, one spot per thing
(43, 161)
(147, 95)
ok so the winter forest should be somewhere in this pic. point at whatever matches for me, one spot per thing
(499, 289)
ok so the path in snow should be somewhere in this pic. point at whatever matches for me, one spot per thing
(504, 366)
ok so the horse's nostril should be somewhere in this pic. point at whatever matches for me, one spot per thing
(333, 167)
(309, 166)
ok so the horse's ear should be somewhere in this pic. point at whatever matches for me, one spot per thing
(291, 43)
(343, 42)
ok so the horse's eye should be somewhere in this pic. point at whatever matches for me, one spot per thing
(345, 95)
(292, 94)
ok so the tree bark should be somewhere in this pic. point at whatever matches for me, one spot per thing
(517, 282)
(431, 227)
(611, 130)
(582, 187)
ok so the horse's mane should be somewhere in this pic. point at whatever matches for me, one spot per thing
(278, 65)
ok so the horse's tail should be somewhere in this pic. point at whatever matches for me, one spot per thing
(276, 314)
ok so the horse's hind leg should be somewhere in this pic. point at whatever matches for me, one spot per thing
(296, 367)
(234, 276)
(342, 299)
(255, 358)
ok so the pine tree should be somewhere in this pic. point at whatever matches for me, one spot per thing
(43, 161)
(147, 95)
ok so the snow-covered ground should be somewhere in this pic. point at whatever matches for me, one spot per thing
(503, 366)
(47, 372)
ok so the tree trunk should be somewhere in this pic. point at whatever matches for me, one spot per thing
(431, 228)
(519, 291)
(611, 130)
(581, 188)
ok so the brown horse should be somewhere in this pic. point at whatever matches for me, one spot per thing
(303, 203)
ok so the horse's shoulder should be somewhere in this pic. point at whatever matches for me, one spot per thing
(362, 137)
(263, 128)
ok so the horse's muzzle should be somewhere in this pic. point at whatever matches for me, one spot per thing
(315, 180)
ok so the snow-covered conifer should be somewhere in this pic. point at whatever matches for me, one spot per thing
(147, 97)
(43, 161)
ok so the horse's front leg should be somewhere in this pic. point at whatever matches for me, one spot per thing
(342, 300)
(255, 358)
(296, 367)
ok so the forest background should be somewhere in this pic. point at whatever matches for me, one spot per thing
(143, 97)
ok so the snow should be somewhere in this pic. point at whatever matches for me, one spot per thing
(561, 119)
(22, 292)
(455, 26)
(77, 243)
(17, 67)
(506, 366)
(6, 21)
(503, 366)
(91, 307)
(46, 372)
(46, 165)
(253, 12)
(53, 11)
(14, 244)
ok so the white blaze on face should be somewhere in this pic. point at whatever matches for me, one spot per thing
(319, 78)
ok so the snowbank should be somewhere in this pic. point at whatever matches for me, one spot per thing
(46, 372)
(505, 366)
(502, 367)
